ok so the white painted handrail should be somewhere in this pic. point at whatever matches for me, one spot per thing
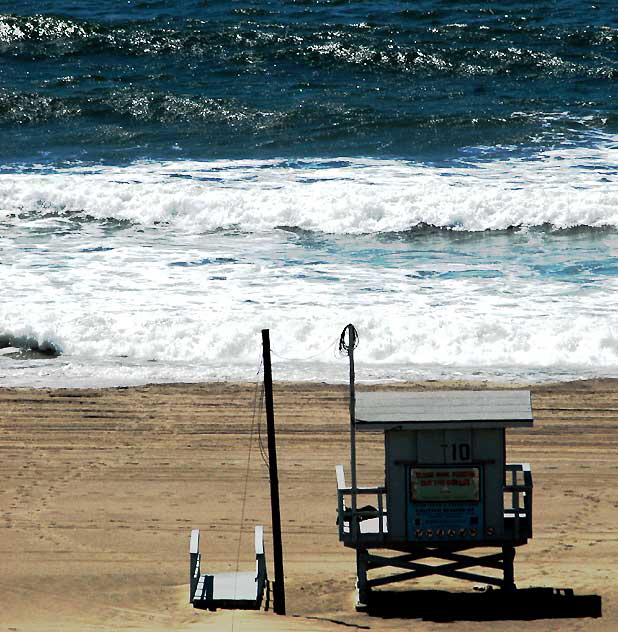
(194, 563)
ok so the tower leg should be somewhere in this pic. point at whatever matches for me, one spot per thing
(362, 589)
(508, 557)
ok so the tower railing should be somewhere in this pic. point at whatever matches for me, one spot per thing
(518, 499)
(366, 518)
(369, 520)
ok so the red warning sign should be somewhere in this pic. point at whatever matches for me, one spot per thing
(444, 484)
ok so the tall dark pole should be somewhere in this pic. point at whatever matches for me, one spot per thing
(352, 340)
(279, 585)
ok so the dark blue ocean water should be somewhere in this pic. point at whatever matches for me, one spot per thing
(176, 175)
(113, 82)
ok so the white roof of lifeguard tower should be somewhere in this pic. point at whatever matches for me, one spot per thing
(387, 410)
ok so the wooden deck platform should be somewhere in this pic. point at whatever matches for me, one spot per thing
(227, 590)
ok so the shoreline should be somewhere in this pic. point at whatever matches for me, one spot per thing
(29, 370)
(473, 383)
(102, 487)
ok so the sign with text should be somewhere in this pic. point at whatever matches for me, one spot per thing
(444, 484)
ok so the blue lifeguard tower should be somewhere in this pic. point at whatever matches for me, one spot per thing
(447, 490)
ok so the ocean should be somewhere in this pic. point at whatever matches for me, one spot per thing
(177, 175)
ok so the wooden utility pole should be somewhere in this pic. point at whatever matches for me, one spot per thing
(279, 584)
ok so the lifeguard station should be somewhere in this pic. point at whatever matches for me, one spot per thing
(447, 489)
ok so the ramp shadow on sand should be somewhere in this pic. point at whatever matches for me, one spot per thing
(491, 605)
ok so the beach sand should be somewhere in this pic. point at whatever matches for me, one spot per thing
(101, 488)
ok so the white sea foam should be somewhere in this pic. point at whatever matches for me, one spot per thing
(129, 304)
(567, 187)
(219, 338)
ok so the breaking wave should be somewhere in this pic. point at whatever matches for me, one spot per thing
(561, 189)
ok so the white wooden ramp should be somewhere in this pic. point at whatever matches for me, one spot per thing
(234, 590)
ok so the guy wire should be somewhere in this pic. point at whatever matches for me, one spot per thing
(246, 481)
(263, 453)
(333, 344)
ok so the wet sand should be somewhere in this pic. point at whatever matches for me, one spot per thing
(101, 488)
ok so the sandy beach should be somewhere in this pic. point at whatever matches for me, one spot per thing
(101, 488)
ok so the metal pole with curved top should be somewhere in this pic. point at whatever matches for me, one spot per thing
(349, 347)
